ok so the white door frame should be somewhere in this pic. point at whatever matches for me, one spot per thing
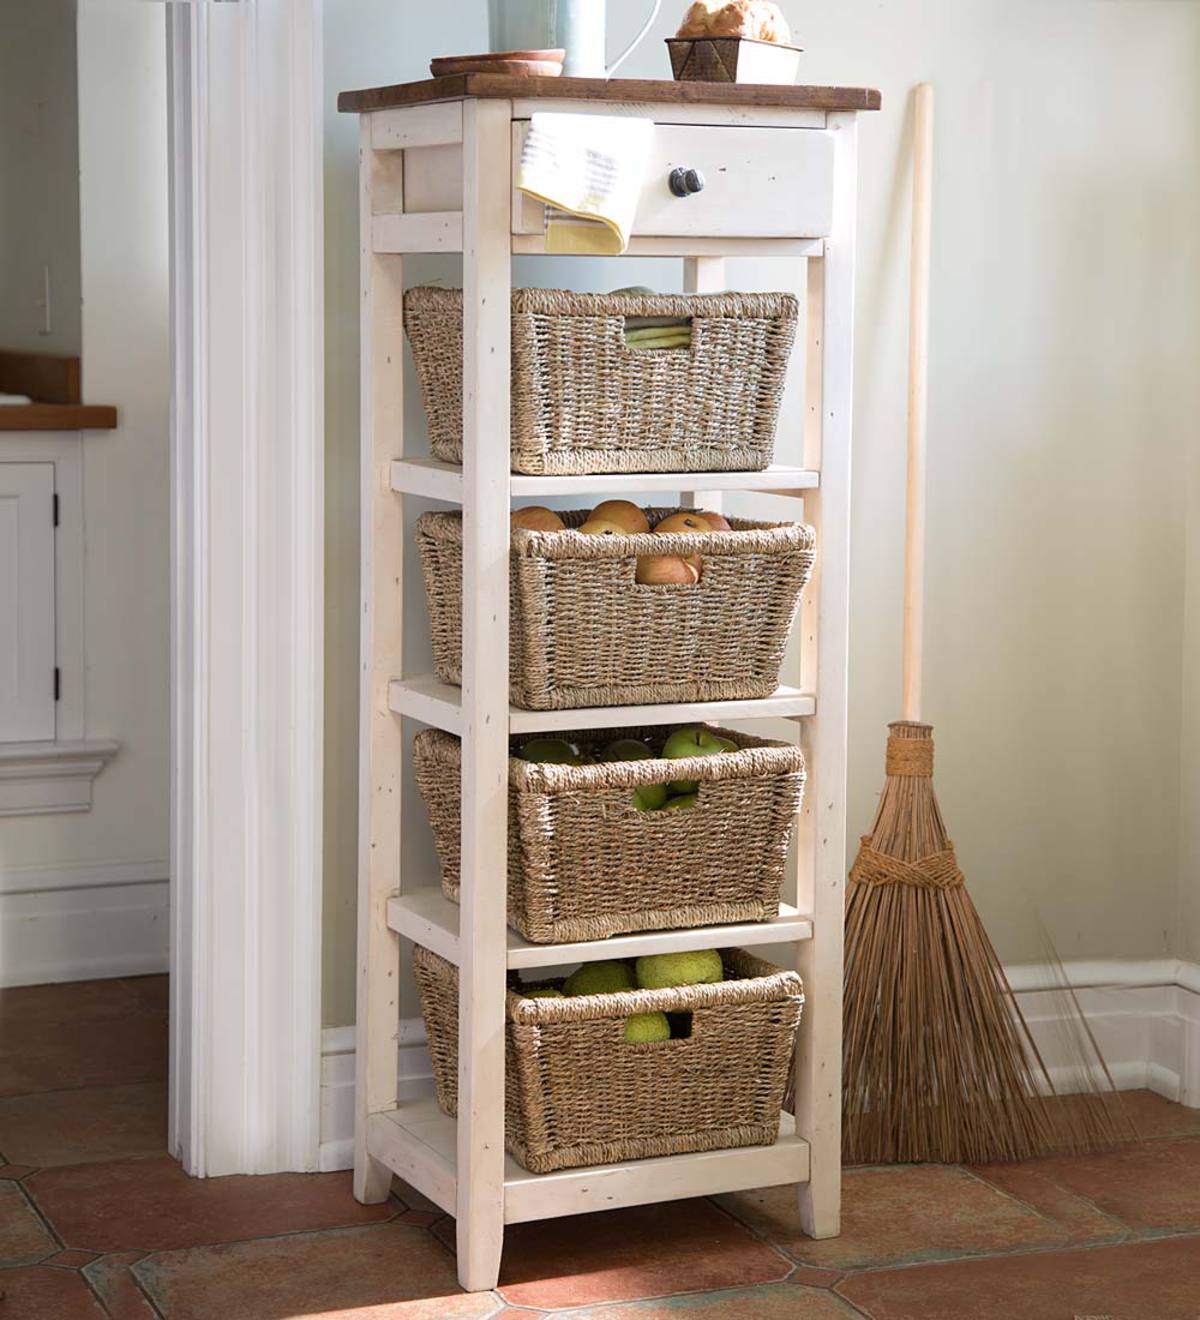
(247, 492)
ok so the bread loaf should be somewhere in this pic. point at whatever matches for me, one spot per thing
(760, 20)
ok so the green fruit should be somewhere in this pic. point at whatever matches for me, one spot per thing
(695, 740)
(626, 749)
(658, 971)
(681, 802)
(600, 978)
(650, 797)
(544, 992)
(550, 751)
(643, 1027)
(728, 745)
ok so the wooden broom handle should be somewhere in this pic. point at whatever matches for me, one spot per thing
(918, 373)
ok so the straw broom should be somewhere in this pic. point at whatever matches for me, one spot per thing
(938, 1063)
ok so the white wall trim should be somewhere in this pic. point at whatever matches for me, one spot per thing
(247, 584)
(1110, 973)
(1145, 1015)
(82, 920)
(82, 875)
(42, 778)
(337, 1085)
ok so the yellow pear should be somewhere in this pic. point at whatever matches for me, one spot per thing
(664, 570)
(536, 519)
(601, 527)
(624, 513)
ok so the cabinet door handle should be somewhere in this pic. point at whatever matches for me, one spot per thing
(683, 182)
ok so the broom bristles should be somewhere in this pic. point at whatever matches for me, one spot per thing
(938, 1061)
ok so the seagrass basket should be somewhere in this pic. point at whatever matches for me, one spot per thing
(585, 401)
(582, 632)
(584, 863)
(577, 1093)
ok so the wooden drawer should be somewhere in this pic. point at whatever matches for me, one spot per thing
(758, 183)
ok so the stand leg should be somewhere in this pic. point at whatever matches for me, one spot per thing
(381, 751)
(824, 656)
(486, 386)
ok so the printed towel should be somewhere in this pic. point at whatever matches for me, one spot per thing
(588, 170)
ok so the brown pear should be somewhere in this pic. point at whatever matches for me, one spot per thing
(535, 518)
(623, 512)
(688, 520)
(601, 527)
(665, 570)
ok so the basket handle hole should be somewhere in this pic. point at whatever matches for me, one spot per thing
(657, 333)
(681, 1025)
(648, 801)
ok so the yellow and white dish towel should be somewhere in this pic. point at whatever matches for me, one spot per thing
(588, 170)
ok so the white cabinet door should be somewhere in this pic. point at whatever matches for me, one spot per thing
(26, 602)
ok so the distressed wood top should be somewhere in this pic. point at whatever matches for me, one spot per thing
(57, 417)
(630, 90)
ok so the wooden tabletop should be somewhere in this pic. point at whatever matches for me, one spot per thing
(635, 90)
(57, 417)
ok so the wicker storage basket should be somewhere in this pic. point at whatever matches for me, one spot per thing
(583, 401)
(584, 863)
(584, 633)
(577, 1093)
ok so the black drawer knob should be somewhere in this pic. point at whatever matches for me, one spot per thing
(685, 182)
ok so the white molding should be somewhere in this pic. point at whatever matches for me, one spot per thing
(415, 1081)
(247, 584)
(41, 879)
(81, 921)
(1145, 1015)
(1108, 973)
(43, 778)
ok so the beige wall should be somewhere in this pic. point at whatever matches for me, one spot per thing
(39, 175)
(123, 205)
(1064, 340)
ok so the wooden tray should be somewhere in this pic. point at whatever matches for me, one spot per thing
(518, 63)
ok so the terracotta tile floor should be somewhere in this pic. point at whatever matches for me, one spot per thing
(96, 1221)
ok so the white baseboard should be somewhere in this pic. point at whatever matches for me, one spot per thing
(337, 1086)
(1145, 1016)
(83, 921)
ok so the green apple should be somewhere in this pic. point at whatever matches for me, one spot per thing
(600, 978)
(644, 1027)
(695, 740)
(626, 749)
(681, 802)
(550, 751)
(657, 971)
(649, 797)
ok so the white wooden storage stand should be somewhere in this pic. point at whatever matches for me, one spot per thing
(437, 168)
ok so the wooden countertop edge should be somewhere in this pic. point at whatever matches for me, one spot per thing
(57, 417)
(628, 90)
